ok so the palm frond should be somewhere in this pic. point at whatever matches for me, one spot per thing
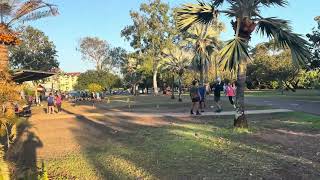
(280, 31)
(235, 51)
(268, 3)
(191, 14)
(37, 15)
(218, 2)
(32, 10)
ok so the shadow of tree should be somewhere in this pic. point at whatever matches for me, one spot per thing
(167, 148)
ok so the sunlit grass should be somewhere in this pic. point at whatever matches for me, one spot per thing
(206, 148)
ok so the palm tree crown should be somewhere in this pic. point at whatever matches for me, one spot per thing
(247, 19)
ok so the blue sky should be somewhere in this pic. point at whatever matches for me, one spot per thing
(106, 18)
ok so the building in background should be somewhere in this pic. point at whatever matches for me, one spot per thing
(62, 82)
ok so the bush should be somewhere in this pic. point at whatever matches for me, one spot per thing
(93, 87)
(310, 79)
(274, 84)
(4, 170)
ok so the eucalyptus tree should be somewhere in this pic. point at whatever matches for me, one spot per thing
(97, 51)
(177, 62)
(150, 33)
(14, 12)
(246, 18)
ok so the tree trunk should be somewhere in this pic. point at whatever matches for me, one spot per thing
(4, 57)
(180, 89)
(240, 120)
(155, 82)
(7, 135)
(215, 68)
(201, 72)
(172, 88)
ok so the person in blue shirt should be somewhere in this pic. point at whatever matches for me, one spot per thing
(202, 92)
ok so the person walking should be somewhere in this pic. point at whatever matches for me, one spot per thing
(50, 101)
(217, 88)
(59, 103)
(202, 91)
(195, 97)
(231, 92)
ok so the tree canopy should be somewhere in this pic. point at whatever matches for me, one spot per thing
(150, 33)
(105, 79)
(36, 52)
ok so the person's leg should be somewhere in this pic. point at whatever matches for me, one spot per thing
(52, 109)
(234, 105)
(197, 107)
(192, 107)
(231, 100)
(48, 109)
(202, 105)
(216, 103)
(220, 105)
(58, 108)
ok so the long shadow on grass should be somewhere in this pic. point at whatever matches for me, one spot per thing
(294, 146)
(173, 148)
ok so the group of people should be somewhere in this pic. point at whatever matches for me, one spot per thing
(198, 95)
(54, 101)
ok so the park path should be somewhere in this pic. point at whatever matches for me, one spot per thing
(158, 115)
(303, 105)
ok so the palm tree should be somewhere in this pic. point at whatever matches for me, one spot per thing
(15, 11)
(204, 40)
(246, 19)
(177, 62)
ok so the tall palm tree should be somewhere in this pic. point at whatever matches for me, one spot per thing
(177, 61)
(16, 11)
(246, 19)
(204, 40)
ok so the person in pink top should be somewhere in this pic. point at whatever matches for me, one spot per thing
(58, 102)
(231, 92)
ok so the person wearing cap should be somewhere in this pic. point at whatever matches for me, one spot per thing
(217, 88)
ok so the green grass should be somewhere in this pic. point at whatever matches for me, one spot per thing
(299, 94)
(207, 148)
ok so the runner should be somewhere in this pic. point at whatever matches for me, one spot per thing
(231, 92)
(195, 97)
(218, 87)
(50, 101)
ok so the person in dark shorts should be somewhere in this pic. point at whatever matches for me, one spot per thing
(202, 91)
(50, 101)
(195, 97)
(217, 88)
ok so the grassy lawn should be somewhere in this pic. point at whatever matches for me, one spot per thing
(277, 146)
(299, 94)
